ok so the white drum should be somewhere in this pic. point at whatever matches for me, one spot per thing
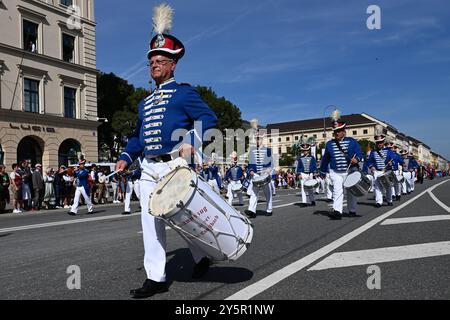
(261, 180)
(310, 184)
(236, 186)
(400, 178)
(189, 205)
(357, 183)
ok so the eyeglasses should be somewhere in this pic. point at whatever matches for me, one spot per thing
(159, 62)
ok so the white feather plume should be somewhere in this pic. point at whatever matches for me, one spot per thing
(162, 19)
(336, 115)
(378, 130)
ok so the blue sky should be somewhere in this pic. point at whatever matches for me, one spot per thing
(287, 60)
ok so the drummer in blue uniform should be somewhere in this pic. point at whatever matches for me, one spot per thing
(306, 167)
(82, 189)
(381, 160)
(260, 162)
(409, 166)
(234, 176)
(341, 155)
(397, 166)
(132, 184)
(169, 107)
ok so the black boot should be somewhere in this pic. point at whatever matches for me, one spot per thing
(335, 215)
(149, 288)
(201, 268)
(250, 214)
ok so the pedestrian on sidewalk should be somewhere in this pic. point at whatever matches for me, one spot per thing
(38, 187)
(16, 187)
(4, 188)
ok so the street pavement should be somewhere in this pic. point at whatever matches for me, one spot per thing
(400, 252)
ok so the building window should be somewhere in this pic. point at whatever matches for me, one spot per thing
(279, 150)
(270, 140)
(288, 150)
(69, 102)
(355, 132)
(66, 2)
(279, 139)
(30, 36)
(315, 136)
(31, 95)
(68, 45)
(324, 135)
(288, 139)
(296, 138)
(366, 131)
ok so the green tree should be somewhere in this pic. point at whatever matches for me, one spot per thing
(286, 160)
(112, 95)
(366, 145)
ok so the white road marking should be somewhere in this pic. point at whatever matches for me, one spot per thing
(416, 219)
(380, 255)
(274, 278)
(439, 202)
(61, 223)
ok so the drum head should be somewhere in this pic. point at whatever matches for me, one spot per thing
(170, 190)
(352, 179)
(311, 183)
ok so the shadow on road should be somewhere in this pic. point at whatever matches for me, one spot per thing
(180, 264)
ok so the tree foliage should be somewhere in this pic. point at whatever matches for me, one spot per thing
(227, 113)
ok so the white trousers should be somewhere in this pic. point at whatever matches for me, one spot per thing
(253, 193)
(272, 187)
(397, 187)
(80, 191)
(329, 187)
(379, 190)
(153, 229)
(321, 186)
(230, 194)
(307, 195)
(338, 193)
(408, 183)
(130, 186)
(214, 185)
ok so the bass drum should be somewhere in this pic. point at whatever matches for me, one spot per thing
(188, 204)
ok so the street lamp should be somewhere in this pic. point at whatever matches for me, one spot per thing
(102, 119)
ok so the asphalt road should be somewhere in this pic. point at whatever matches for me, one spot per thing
(298, 253)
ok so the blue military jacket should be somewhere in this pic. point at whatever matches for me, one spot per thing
(170, 107)
(336, 159)
(306, 164)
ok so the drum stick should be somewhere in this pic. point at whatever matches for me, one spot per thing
(351, 162)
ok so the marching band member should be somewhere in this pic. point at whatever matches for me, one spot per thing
(169, 107)
(233, 176)
(379, 161)
(132, 184)
(409, 166)
(82, 189)
(213, 178)
(260, 162)
(306, 167)
(340, 154)
(397, 165)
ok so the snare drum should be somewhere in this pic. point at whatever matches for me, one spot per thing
(357, 184)
(189, 205)
(261, 180)
(310, 184)
(387, 179)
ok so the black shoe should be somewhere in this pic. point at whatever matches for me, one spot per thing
(378, 205)
(71, 213)
(303, 205)
(329, 200)
(390, 204)
(149, 288)
(250, 214)
(352, 214)
(313, 203)
(269, 213)
(126, 212)
(201, 268)
(336, 215)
